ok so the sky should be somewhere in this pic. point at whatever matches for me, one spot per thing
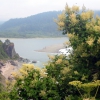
(23, 8)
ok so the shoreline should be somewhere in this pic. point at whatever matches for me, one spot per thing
(31, 38)
(8, 68)
(52, 48)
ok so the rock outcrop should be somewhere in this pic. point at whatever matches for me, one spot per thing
(13, 63)
(9, 49)
(25, 60)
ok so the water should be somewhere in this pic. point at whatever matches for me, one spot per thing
(26, 47)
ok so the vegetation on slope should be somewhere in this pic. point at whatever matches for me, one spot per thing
(3, 54)
(74, 78)
(40, 25)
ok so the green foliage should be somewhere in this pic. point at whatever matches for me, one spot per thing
(33, 83)
(83, 31)
(76, 77)
(39, 25)
(3, 54)
(3, 92)
(4, 96)
(50, 83)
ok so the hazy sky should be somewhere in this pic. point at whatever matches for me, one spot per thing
(23, 8)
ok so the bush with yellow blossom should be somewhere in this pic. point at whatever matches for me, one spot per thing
(57, 81)
(33, 83)
(83, 30)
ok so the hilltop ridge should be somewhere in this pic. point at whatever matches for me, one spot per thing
(39, 25)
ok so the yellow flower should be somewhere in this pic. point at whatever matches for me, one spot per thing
(73, 18)
(42, 93)
(14, 74)
(23, 72)
(58, 61)
(27, 67)
(62, 17)
(35, 75)
(37, 68)
(70, 35)
(43, 74)
(61, 24)
(86, 15)
(96, 28)
(75, 8)
(75, 83)
(65, 70)
(51, 57)
(76, 73)
(88, 85)
(97, 82)
(21, 77)
(90, 41)
(89, 25)
(44, 70)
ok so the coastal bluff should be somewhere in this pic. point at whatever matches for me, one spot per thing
(9, 49)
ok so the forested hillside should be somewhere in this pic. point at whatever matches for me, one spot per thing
(40, 25)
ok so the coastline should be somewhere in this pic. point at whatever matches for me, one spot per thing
(52, 48)
(8, 68)
(35, 38)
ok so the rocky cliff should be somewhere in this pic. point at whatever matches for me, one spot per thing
(9, 49)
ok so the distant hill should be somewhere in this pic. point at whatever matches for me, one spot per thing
(39, 25)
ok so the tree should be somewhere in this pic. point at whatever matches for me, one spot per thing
(83, 30)
(81, 69)
(33, 83)
(41, 84)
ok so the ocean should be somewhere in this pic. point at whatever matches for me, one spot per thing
(26, 47)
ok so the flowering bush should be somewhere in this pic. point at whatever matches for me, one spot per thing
(59, 77)
(83, 30)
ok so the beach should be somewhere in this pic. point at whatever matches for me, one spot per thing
(52, 48)
(8, 68)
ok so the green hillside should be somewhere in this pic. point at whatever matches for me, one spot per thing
(40, 25)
